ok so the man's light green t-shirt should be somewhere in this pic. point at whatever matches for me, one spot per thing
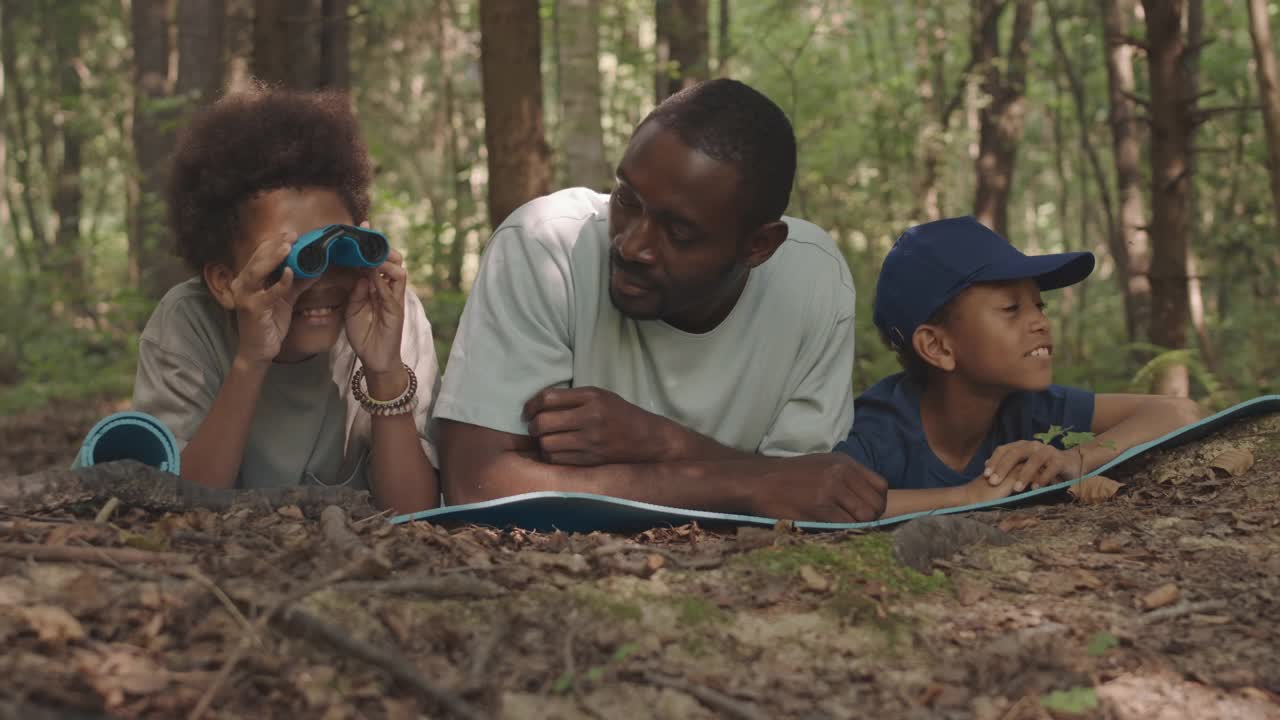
(775, 377)
(307, 428)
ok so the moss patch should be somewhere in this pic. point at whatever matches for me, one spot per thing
(856, 559)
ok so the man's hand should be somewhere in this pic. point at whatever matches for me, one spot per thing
(375, 316)
(264, 314)
(831, 487)
(590, 426)
(1031, 464)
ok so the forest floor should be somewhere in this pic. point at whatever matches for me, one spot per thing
(1162, 602)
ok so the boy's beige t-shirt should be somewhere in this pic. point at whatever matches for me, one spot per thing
(307, 427)
(775, 377)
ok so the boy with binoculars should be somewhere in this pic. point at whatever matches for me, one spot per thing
(297, 355)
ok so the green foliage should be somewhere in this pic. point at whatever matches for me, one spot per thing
(1070, 438)
(1100, 643)
(1076, 701)
(1145, 378)
(857, 559)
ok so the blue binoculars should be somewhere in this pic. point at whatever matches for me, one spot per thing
(345, 245)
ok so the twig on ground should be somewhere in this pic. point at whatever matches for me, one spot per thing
(379, 515)
(213, 587)
(1179, 610)
(480, 660)
(333, 524)
(228, 666)
(392, 662)
(434, 587)
(713, 699)
(91, 554)
(674, 558)
(107, 510)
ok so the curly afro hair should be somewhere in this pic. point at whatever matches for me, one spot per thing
(253, 142)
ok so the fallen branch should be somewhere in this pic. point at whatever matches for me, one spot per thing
(396, 665)
(90, 554)
(713, 699)
(1179, 610)
(142, 486)
(249, 638)
(435, 587)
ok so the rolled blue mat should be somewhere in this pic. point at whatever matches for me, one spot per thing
(130, 436)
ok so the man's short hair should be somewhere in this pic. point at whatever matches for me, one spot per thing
(731, 122)
(253, 142)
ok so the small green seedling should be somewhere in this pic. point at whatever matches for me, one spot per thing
(1076, 701)
(1069, 437)
(1100, 643)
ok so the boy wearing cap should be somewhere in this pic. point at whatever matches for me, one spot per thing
(962, 309)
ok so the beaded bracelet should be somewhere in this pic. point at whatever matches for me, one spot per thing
(406, 403)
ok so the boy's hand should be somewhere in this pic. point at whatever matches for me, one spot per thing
(1031, 464)
(375, 316)
(264, 314)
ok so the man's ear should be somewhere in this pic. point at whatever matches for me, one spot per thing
(933, 346)
(764, 242)
(218, 278)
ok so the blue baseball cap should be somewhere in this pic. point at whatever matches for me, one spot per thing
(932, 263)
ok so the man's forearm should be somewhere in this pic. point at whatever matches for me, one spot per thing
(718, 486)
(685, 444)
(213, 456)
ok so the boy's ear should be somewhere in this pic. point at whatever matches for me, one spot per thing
(764, 242)
(218, 278)
(934, 347)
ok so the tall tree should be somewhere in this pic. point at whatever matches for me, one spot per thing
(683, 41)
(1268, 93)
(581, 134)
(1126, 145)
(1172, 126)
(68, 30)
(201, 49)
(1001, 118)
(154, 266)
(302, 44)
(510, 54)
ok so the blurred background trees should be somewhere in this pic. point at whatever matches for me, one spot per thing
(1147, 131)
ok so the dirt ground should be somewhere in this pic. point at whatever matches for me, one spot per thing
(1161, 602)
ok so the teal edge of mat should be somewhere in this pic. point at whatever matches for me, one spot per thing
(145, 423)
(663, 513)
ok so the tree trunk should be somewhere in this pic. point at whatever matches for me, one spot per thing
(724, 46)
(1001, 120)
(510, 55)
(682, 40)
(1172, 126)
(153, 261)
(239, 45)
(1268, 94)
(1126, 149)
(581, 132)
(201, 64)
(68, 197)
(302, 44)
(929, 140)
(459, 169)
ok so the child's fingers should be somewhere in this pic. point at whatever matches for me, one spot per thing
(394, 257)
(1010, 456)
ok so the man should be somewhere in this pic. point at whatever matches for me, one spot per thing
(676, 342)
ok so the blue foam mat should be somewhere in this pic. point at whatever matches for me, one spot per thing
(587, 512)
(130, 435)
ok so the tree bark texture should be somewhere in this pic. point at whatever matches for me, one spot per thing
(302, 44)
(578, 58)
(510, 56)
(1126, 145)
(68, 198)
(1264, 52)
(1172, 127)
(1001, 119)
(682, 44)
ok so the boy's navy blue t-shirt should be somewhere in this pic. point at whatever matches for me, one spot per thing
(888, 437)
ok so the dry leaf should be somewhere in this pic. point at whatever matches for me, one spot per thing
(1094, 490)
(1166, 594)
(1113, 543)
(53, 624)
(1018, 521)
(654, 562)
(813, 580)
(292, 512)
(1234, 462)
